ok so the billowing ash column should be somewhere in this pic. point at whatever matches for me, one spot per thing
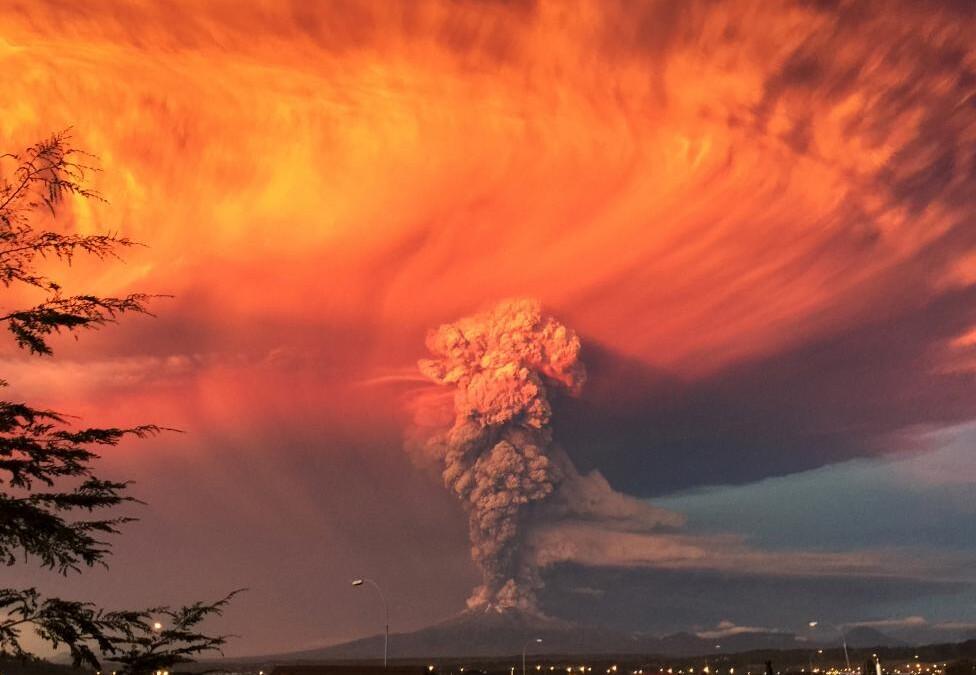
(496, 456)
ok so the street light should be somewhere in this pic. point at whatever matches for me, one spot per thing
(819, 653)
(526, 646)
(843, 637)
(386, 613)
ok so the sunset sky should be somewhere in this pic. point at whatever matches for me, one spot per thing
(760, 218)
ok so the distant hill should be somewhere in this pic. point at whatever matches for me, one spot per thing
(596, 646)
(482, 634)
(501, 634)
(870, 637)
(12, 666)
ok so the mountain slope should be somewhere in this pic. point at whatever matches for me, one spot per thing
(504, 634)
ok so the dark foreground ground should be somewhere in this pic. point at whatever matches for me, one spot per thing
(944, 659)
(950, 660)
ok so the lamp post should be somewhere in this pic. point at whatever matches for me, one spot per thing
(386, 613)
(526, 646)
(843, 637)
(819, 652)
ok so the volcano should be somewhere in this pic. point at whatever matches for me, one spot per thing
(491, 634)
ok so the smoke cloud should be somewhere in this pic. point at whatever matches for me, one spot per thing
(497, 454)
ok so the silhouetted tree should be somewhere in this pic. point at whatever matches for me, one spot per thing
(50, 495)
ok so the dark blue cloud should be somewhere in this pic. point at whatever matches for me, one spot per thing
(851, 394)
(662, 601)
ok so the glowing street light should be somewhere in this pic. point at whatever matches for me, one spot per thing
(843, 637)
(526, 646)
(386, 613)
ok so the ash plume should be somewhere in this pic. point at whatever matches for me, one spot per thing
(496, 456)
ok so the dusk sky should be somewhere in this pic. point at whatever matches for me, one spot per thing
(759, 218)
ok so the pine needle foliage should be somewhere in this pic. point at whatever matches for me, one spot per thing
(55, 511)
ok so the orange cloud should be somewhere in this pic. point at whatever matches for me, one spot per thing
(691, 186)
(757, 216)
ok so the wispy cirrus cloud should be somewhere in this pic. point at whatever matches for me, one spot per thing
(766, 245)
